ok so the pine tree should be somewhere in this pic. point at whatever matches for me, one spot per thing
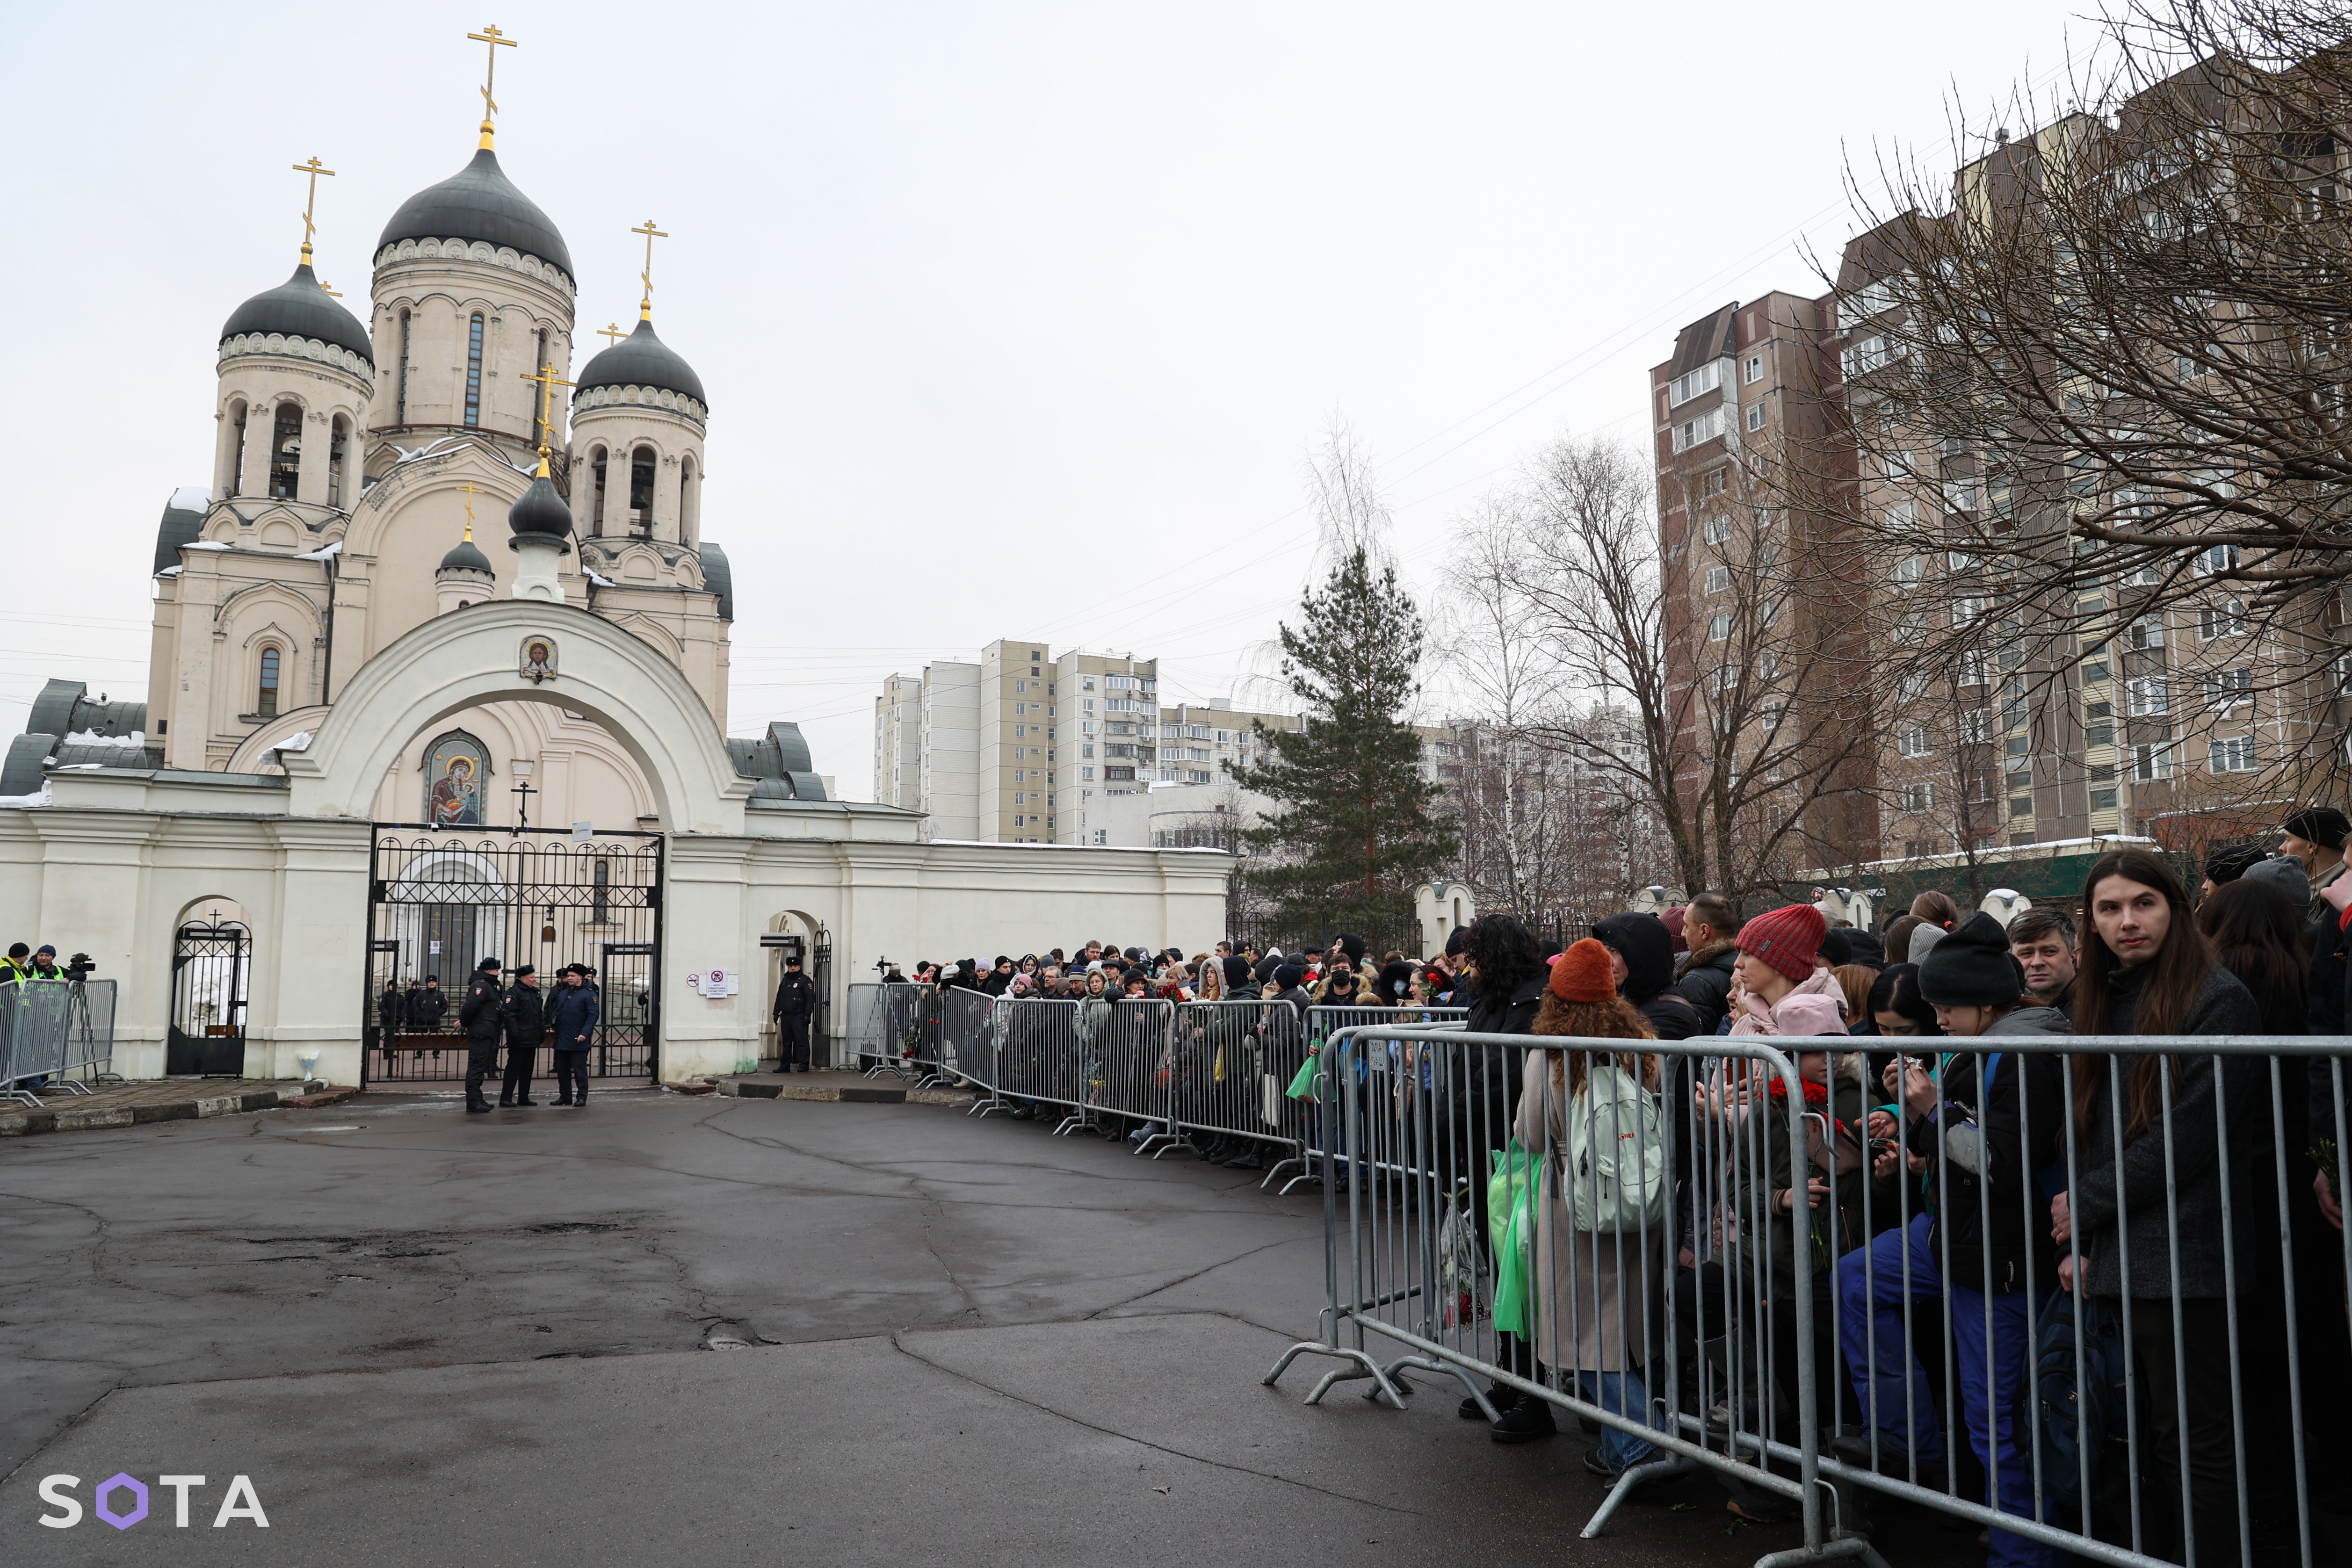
(1355, 831)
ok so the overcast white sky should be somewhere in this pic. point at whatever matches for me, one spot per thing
(1016, 319)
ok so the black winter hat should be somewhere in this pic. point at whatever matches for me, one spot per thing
(2323, 825)
(1972, 968)
(2228, 865)
(1351, 945)
(1457, 942)
(1837, 945)
(1289, 975)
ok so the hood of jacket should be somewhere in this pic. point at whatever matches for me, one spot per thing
(1648, 949)
(1808, 1018)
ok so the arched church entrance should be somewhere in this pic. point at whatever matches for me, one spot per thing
(446, 891)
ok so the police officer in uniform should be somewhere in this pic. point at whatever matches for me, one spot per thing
(796, 1003)
(524, 1013)
(478, 1016)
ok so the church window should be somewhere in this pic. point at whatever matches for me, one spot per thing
(266, 700)
(286, 452)
(641, 491)
(596, 512)
(688, 508)
(235, 451)
(338, 449)
(474, 371)
(541, 411)
(400, 406)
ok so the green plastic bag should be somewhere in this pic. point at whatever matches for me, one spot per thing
(1302, 1087)
(1511, 1190)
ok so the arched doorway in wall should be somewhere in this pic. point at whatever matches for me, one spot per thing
(212, 971)
(793, 933)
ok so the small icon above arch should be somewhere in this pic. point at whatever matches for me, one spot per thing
(537, 662)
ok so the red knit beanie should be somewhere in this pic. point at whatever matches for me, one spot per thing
(1788, 939)
(1582, 974)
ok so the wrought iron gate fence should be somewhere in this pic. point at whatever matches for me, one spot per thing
(439, 902)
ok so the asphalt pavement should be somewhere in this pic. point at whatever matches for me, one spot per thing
(716, 1330)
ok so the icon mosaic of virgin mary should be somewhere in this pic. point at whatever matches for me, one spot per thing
(453, 775)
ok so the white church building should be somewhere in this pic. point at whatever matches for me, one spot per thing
(439, 672)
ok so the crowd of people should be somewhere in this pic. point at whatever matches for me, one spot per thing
(1961, 1210)
(1345, 974)
(1955, 1201)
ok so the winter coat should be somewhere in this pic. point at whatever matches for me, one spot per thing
(1984, 1157)
(1600, 1291)
(388, 1008)
(1484, 1100)
(795, 996)
(573, 1016)
(1753, 1163)
(426, 1006)
(2111, 1192)
(1648, 950)
(1704, 982)
(478, 1017)
(1800, 1019)
(524, 1013)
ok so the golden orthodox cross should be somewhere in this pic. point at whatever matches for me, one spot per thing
(612, 332)
(309, 204)
(471, 491)
(646, 306)
(546, 381)
(495, 40)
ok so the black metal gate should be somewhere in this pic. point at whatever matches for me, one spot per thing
(210, 967)
(439, 902)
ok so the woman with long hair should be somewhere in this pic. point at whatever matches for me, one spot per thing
(2256, 933)
(2148, 1170)
(1594, 1283)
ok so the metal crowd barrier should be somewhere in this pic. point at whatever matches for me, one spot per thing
(861, 1037)
(2083, 1292)
(56, 1034)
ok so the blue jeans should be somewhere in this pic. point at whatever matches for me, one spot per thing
(1871, 1291)
(1619, 1394)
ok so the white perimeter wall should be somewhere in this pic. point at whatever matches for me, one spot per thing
(114, 866)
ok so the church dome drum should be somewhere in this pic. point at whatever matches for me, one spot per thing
(299, 307)
(643, 359)
(480, 203)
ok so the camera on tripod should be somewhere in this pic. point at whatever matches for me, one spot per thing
(80, 967)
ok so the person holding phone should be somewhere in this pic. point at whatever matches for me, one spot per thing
(1983, 1127)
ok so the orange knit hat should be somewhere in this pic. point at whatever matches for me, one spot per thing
(1582, 974)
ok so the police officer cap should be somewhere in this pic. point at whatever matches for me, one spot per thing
(791, 960)
(523, 969)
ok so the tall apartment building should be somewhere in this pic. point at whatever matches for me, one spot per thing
(2099, 713)
(898, 743)
(1023, 747)
(1764, 636)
